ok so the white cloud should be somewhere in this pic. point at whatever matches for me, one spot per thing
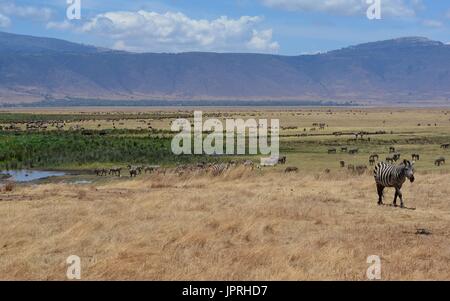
(262, 40)
(34, 13)
(144, 31)
(396, 8)
(4, 21)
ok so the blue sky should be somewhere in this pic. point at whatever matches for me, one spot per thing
(288, 27)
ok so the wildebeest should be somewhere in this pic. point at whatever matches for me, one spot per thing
(391, 149)
(282, 160)
(291, 169)
(353, 151)
(415, 157)
(372, 162)
(439, 161)
(151, 168)
(374, 157)
(390, 159)
(396, 156)
(101, 171)
(446, 145)
(389, 175)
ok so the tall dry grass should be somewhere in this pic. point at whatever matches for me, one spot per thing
(243, 225)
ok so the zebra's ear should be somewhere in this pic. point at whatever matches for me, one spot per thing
(405, 162)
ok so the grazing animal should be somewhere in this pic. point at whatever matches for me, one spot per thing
(151, 169)
(218, 169)
(415, 157)
(291, 169)
(439, 161)
(372, 162)
(391, 149)
(332, 151)
(115, 171)
(344, 149)
(282, 160)
(389, 175)
(134, 170)
(390, 160)
(446, 145)
(342, 164)
(374, 157)
(249, 163)
(396, 157)
(101, 172)
(353, 151)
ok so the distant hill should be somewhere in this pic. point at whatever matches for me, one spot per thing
(405, 71)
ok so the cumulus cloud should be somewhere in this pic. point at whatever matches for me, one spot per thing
(143, 31)
(396, 8)
(34, 13)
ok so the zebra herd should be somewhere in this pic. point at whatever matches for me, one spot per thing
(134, 171)
(214, 169)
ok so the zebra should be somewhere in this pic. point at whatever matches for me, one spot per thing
(389, 175)
(248, 163)
(115, 171)
(218, 169)
(439, 161)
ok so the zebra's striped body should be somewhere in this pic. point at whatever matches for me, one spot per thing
(389, 175)
(218, 169)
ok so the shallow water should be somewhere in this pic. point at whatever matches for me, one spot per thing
(31, 175)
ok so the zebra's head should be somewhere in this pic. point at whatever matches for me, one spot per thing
(409, 170)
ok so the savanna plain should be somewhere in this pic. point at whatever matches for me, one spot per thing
(321, 222)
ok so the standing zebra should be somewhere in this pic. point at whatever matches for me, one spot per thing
(218, 169)
(389, 175)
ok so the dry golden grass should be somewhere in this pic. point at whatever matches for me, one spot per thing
(240, 226)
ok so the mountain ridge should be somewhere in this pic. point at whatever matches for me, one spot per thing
(406, 70)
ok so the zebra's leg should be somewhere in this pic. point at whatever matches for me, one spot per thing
(380, 189)
(400, 195)
(395, 198)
